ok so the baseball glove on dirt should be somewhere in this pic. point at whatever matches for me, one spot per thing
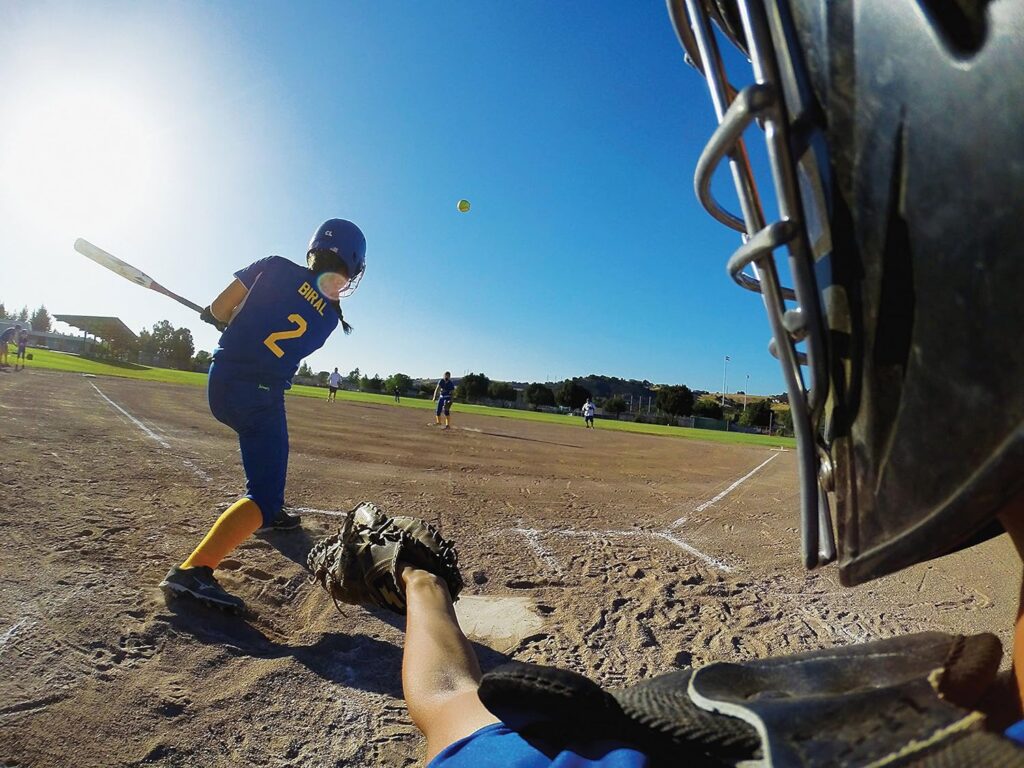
(359, 564)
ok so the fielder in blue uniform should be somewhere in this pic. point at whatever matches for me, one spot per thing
(443, 393)
(274, 314)
(5, 339)
(21, 340)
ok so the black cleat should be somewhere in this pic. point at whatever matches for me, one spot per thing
(200, 584)
(285, 521)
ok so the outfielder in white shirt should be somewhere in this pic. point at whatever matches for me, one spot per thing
(333, 383)
(588, 413)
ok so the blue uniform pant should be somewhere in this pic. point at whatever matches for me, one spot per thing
(256, 412)
(497, 746)
(443, 404)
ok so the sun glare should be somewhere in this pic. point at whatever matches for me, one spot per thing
(79, 153)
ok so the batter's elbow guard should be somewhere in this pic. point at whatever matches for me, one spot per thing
(207, 316)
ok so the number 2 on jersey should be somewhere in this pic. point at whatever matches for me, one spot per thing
(294, 333)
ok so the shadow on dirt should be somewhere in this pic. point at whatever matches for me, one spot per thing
(487, 656)
(357, 660)
(294, 544)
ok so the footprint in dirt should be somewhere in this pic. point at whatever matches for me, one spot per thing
(259, 544)
(132, 649)
(257, 573)
(213, 627)
(521, 584)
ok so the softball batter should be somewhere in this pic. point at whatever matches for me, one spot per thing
(274, 314)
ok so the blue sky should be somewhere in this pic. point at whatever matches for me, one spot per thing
(191, 139)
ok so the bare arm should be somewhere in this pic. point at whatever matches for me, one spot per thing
(440, 671)
(224, 306)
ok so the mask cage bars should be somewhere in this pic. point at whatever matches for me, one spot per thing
(352, 284)
(763, 101)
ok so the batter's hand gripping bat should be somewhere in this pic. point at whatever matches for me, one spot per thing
(129, 272)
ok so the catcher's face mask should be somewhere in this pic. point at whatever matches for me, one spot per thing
(893, 135)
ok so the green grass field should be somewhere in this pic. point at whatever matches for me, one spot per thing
(59, 361)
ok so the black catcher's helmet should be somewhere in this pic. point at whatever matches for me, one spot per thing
(895, 139)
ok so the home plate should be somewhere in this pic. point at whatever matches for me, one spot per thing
(501, 621)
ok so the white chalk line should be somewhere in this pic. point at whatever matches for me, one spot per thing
(533, 541)
(607, 534)
(189, 464)
(163, 443)
(838, 631)
(726, 492)
(532, 536)
(706, 559)
(198, 470)
(313, 511)
(11, 631)
(735, 485)
(672, 539)
(44, 614)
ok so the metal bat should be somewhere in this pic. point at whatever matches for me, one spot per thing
(129, 272)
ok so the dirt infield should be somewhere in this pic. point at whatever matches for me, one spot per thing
(617, 555)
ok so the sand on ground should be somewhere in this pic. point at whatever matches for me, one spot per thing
(610, 553)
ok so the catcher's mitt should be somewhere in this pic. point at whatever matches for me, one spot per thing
(359, 564)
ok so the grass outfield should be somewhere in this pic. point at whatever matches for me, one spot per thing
(59, 361)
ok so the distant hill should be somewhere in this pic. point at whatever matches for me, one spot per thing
(603, 387)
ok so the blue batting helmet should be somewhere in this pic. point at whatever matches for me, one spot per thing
(345, 241)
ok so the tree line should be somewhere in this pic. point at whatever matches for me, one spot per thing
(673, 401)
(40, 320)
(171, 346)
(174, 347)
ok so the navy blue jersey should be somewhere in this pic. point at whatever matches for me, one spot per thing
(282, 321)
(445, 388)
(8, 335)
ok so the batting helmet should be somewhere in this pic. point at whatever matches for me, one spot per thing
(338, 242)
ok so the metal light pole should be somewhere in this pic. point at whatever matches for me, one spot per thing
(746, 388)
(725, 379)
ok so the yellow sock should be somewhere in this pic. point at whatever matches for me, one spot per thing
(237, 524)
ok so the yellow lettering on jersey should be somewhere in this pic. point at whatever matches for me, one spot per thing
(306, 291)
